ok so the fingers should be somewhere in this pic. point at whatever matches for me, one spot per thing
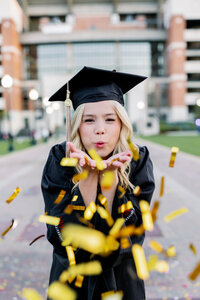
(72, 147)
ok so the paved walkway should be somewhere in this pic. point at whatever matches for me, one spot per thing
(22, 265)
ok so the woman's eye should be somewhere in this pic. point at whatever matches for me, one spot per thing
(110, 120)
(88, 120)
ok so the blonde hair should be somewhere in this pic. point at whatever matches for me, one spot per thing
(122, 145)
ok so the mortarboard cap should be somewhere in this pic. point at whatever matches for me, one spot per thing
(93, 85)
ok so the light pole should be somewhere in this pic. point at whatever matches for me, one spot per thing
(7, 83)
(33, 96)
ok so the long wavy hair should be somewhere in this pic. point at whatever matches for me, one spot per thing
(122, 144)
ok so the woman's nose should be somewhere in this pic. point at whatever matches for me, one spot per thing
(100, 129)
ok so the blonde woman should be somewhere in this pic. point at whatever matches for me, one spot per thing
(100, 122)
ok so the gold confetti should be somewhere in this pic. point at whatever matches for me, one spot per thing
(14, 195)
(156, 246)
(151, 263)
(130, 230)
(31, 294)
(174, 151)
(117, 226)
(107, 180)
(195, 273)
(175, 214)
(137, 190)
(37, 238)
(162, 266)
(60, 197)
(85, 269)
(193, 249)
(146, 215)
(74, 198)
(162, 186)
(104, 214)
(99, 162)
(49, 220)
(140, 262)
(68, 210)
(102, 199)
(69, 162)
(90, 211)
(155, 210)
(171, 251)
(124, 242)
(80, 176)
(125, 206)
(122, 190)
(79, 281)
(134, 149)
(71, 255)
(112, 295)
(8, 229)
(61, 291)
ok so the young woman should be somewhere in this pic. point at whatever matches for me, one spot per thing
(100, 122)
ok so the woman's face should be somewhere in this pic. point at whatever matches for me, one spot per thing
(100, 127)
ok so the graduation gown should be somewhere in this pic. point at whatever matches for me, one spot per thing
(119, 271)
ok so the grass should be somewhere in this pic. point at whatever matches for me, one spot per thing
(188, 144)
(4, 145)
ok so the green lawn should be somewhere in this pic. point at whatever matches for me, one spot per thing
(4, 145)
(188, 144)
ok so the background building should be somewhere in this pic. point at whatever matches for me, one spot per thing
(44, 42)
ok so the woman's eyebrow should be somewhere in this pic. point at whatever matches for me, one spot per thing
(93, 115)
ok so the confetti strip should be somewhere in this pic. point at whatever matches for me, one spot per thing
(90, 211)
(193, 249)
(74, 198)
(124, 242)
(60, 197)
(162, 266)
(174, 151)
(134, 149)
(37, 238)
(171, 251)
(146, 215)
(125, 206)
(103, 200)
(140, 262)
(68, 162)
(79, 281)
(162, 186)
(112, 295)
(130, 230)
(175, 214)
(80, 176)
(60, 291)
(99, 162)
(122, 190)
(49, 220)
(84, 269)
(137, 190)
(151, 263)
(156, 246)
(107, 180)
(71, 255)
(155, 210)
(195, 273)
(8, 229)
(117, 226)
(31, 294)
(104, 214)
(14, 195)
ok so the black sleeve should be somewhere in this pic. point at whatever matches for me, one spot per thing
(54, 179)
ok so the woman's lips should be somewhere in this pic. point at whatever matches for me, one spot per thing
(100, 144)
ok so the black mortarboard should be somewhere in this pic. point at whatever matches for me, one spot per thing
(93, 85)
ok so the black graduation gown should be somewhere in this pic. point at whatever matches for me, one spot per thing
(119, 271)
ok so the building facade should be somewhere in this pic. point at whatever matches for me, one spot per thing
(44, 42)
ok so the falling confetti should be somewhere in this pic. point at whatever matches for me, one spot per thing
(31, 294)
(60, 291)
(146, 215)
(107, 180)
(140, 262)
(99, 162)
(69, 162)
(122, 190)
(60, 197)
(14, 195)
(49, 220)
(8, 229)
(80, 176)
(174, 151)
(134, 149)
(137, 190)
(175, 214)
(193, 249)
(162, 182)
(195, 273)
(37, 238)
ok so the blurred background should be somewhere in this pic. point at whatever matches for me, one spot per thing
(43, 43)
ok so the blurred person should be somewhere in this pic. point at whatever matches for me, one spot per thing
(99, 122)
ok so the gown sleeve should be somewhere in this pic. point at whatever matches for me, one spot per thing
(54, 179)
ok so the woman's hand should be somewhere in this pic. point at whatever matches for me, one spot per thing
(116, 161)
(83, 158)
